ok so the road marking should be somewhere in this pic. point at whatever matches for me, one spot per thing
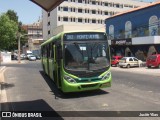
(104, 105)
(3, 91)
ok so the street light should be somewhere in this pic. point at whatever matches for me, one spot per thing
(19, 45)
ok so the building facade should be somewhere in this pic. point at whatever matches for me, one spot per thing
(35, 36)
(135, 32)
(83, 14)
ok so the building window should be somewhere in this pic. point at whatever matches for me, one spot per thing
(48, 14)
(105, 4)
(59, 18)
(128, 29)
(93, 11)
(65, 19)
(93, 21)
(153, 25)
(93, 2)
(65, 8)
(111, 32)
(86, 10)
(80, 20)
(85, 20)
(79, 1)
(48, 32)
(106, 13)
(48, 23)
(59, 8)
(79, 10)
(117, 5)
(74, 19)
(74, 10)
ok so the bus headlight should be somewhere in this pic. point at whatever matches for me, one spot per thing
(69, 79)
(106, 76)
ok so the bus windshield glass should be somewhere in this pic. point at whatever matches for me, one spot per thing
(86, 55)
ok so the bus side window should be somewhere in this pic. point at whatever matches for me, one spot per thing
(52, 51)
(48, 49)
(45, 51)
(42, 51)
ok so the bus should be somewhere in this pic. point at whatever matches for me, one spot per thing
(77, 61)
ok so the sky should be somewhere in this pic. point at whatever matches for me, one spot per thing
(27, 11)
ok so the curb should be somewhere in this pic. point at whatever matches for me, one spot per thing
(2, 68)
(3, 95)
(139, 70)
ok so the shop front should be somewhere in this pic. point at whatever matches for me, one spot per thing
(138, 47)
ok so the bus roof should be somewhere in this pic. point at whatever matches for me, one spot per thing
(62, 33)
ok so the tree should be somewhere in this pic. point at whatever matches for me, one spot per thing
(12, 15)
(8, 30)
(9, 27)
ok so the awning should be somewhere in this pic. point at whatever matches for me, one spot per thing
(47, 5)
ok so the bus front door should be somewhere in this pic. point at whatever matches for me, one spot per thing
(57, 72)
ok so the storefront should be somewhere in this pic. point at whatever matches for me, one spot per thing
(139, 47)
(135, 32)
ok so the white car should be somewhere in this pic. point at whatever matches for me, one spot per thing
(129, 62)
(32, 58)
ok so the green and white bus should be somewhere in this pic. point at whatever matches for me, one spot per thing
(77, 61)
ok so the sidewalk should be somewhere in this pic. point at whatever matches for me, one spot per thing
(3, 97)
(13, 62)
(139, 70)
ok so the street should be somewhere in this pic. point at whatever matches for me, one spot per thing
(28, 89)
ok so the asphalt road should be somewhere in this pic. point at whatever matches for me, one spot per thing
(28, 89)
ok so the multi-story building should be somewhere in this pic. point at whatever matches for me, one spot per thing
(135, 32)
(35, 36)
(83, 14)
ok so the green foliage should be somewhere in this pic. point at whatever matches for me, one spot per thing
(8, 30)
(12, 15)
(9, 27)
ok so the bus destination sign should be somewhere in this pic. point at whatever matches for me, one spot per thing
(84, 36)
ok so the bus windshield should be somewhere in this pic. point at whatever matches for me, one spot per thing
(86, 56)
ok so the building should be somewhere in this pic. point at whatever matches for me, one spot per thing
(35, 36)
(135, 32)
(83, 14)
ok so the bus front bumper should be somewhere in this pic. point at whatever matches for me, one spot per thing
(77, 87)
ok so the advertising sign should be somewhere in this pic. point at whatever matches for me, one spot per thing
(122, 42)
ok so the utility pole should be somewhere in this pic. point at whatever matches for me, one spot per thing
(19, 49)
(19, 46)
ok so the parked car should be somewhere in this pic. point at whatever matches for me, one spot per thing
(23, 56)
(32, 58)
(115, 60)
(38, 57)
(153, 61)
(129, 62)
